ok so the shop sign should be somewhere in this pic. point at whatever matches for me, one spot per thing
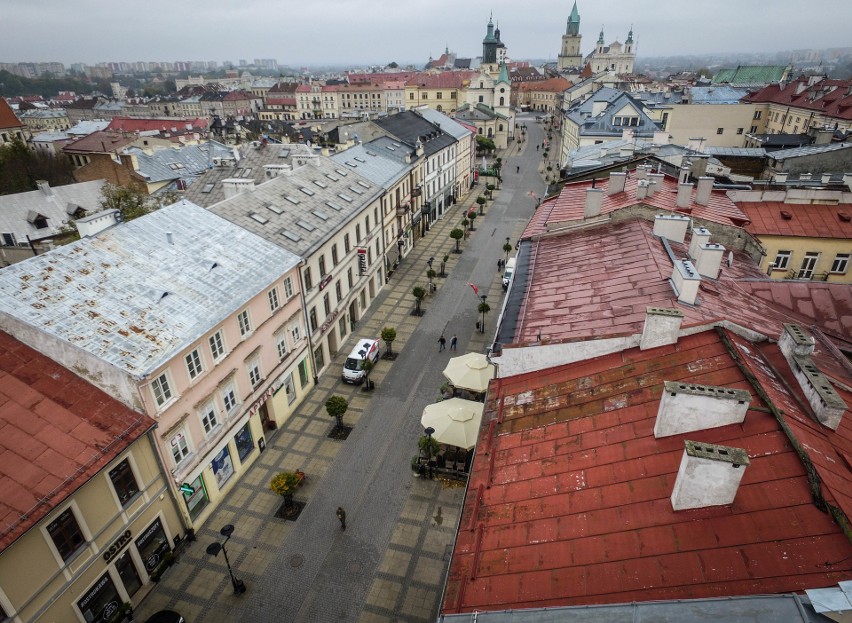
(116, 547)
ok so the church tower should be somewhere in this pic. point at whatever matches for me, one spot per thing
(569, 56)
(489, 45)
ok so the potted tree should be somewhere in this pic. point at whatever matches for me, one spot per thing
(481, 200)
(444, 261)
(285, 485)
(419, 293)
(336, 407)
(457, 234)
(472, 216)
(367, 367)
(389, 335)
(483, 309)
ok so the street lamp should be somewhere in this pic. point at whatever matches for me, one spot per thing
(484, 307)
(213, 550)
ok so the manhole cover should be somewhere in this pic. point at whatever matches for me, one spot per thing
(355, 566)
(297, 560)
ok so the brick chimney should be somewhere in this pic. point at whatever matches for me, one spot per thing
(685, 279)
(616, 183)
(592, 207)
(684, 195)
(709, 475)
(687, 407)
(662, 327)
(671, 226)
(702, 195)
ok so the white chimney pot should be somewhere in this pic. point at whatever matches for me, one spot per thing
(709, 475)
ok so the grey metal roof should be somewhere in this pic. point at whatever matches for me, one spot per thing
(49, 137)
(373, 162)
(132, 299)
(172, 163)
(808, 150)
(447, 124)
(14, 209)
(300, 210)
(744, 152)
(84, 128)
(602, 124)
(716, 94)
(411, 127)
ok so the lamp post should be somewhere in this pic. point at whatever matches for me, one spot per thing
(213, 550)
(483, 308)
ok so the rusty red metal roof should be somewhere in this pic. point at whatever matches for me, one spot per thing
(776, 218)
(56, 432)
(8, 119)
(569, 495)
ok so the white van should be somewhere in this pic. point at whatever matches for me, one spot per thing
(364, 348)
(507, 274)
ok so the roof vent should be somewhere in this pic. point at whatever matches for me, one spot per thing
(662, 327)
(709, 475)
(642, 189)
(700, 236)
(687, 407)
(781, 177)
(685, 279)
(794, 341)
(671, 226)
(843, 216)
(592, 207)
(616, 183)
(786, 215)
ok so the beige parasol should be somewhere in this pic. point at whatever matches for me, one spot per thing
(456, 421)
(469, 371)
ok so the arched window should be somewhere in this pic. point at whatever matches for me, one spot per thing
(502, 99)
(490, 133)
(479, 130)
(500, 128)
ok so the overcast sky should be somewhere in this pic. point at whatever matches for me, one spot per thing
(352, 32)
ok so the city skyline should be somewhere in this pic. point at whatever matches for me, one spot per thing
(222, 31)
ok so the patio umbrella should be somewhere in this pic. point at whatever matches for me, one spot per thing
(470, 371)
(456, 421)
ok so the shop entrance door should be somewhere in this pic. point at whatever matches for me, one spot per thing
(127, 571)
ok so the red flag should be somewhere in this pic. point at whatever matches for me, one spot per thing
(475, 289)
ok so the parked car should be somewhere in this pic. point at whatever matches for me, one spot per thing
(165, 616)
(365, 348)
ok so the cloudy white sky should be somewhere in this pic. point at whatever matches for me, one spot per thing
(354, 32)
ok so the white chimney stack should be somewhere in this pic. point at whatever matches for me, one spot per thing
(671, 226)
(642, 189)
(847, 179)
(684, 195)
(826, 403)
(804, 177)
(661, 137)
(662, 327)
(686, 280)
(781, 178)
(688, 407)
(94, 224)
(44, 186)
(700, 235)
(594, 198)
(709, 260)
(235, 185)
(641, 172)
(616, 183)
(683, 177)
(656, 183)
(826, 177)
(709, 475)
(702, 195)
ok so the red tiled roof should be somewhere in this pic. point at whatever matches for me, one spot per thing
(568, 205)
(776, 218)
(551, 84)
(832, 98)
(56, 432)
(176, 125)
(395, 76)
(99, 143)
(569, 495)
(7, 116)
(443, 80)
(282, 101)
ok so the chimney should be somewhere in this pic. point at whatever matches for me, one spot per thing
(642, 189)
(688, 407)
(662, 327)
(641, 172)
(94, 224)
(781, 177)
(170, 238)
(684, 195)
(709, 260)
(44, 186)
(627, 134)
(804, 177)
(616, 183)
(661, 138)
(709, 475)
(826, 403)
(700, 235)
(625, 151)
(236, 185)
(826, 178)
(656, 180)
(592, 208)
(702, 195)
(683, 176)
(685, 279)
(671, 226)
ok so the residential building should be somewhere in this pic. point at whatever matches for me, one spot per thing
(171, 316)
(330, 217)
(45, 120)
(101, 156)
(87, 513)
(814, 161)
(31, 221)
(443, 91)
(465, 136)
(541, 95)
(808, 101)
(11, 127)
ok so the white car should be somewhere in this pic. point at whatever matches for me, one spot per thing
(365, 348)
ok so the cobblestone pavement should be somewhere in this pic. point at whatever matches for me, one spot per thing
(389, 565)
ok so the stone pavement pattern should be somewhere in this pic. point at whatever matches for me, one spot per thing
(390, 563)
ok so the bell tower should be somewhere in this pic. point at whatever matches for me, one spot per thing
(569, 55)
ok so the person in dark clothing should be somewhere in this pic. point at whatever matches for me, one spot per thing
(442, 343)
(341, 515)
(517, 169)
(454, 341)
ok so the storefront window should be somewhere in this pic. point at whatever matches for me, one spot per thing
(101, 603)
(303, 373)
(244, 442)
(196, 501)
(153, 545)
(290, 388)
(223, 467)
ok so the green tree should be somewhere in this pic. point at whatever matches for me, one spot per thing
(430, 274)
(507, 248)
(490, 190)
(444, 261)
(419, 294)
(457, 234)
(389, 335)
(472, 216)
(481, 202)
(130, 202)
(336, 407)
(483, 309)
(483, 143)
(21, 168)
(367, 366)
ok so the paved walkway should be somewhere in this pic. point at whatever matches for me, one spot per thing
(390, 563)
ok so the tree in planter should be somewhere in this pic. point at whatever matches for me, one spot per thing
(419, 294)
(444, 261)
(481, 200)
(472, 216)
(507, 248)
(483, 309)
(457, 234)
(430, 274)
(389, 335)
(465, 223)
(336, 407)
(367, 367)
(490, 189)
(286, 483)
(429, 446)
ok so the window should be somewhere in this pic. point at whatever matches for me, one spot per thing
(124, 482)
(66, 534)
(254, 372)
(322, 265)
(349, 277)
(752, 129)
(720, 130)
(303, 373)
(341, 327)
(319, 357)
(334, 258)
(281, 346)
(338, 291)
(295, 333)
(161, 389)
(357, 232)
(326, 303)
(179, 447)
(740, 130)
(288, 288)
(481, 99)
(217, 346)
(367, 223)
(244, 442)
(411, 95)
(229, 398)
(806, 271)
(312, 318)
(439, 95)
(757, 114)
(208, 417)
(782, 260)
(193, 364)
(244, 323)
(309, 282)
(840, 264)
(274, 303)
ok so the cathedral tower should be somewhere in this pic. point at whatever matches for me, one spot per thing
(569, 56)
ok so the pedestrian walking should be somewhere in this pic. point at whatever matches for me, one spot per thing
(453, 341)
(341, 515)
(517, 169)
(536, 147)
(442, 343)
(499, 265)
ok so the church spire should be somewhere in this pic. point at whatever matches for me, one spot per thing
(630, 35)
(573, 21)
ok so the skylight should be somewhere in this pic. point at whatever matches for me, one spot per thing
(342, 172)
(333, 206)
(292, 200)
(320, 215)
(320, 184)
(307, 191)
(346, 198)
(305, 225)
(290, 235)
(260, 219)
(274, 208)
(207, 188)
(363, 183)
(332, 177)
(357, 191)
